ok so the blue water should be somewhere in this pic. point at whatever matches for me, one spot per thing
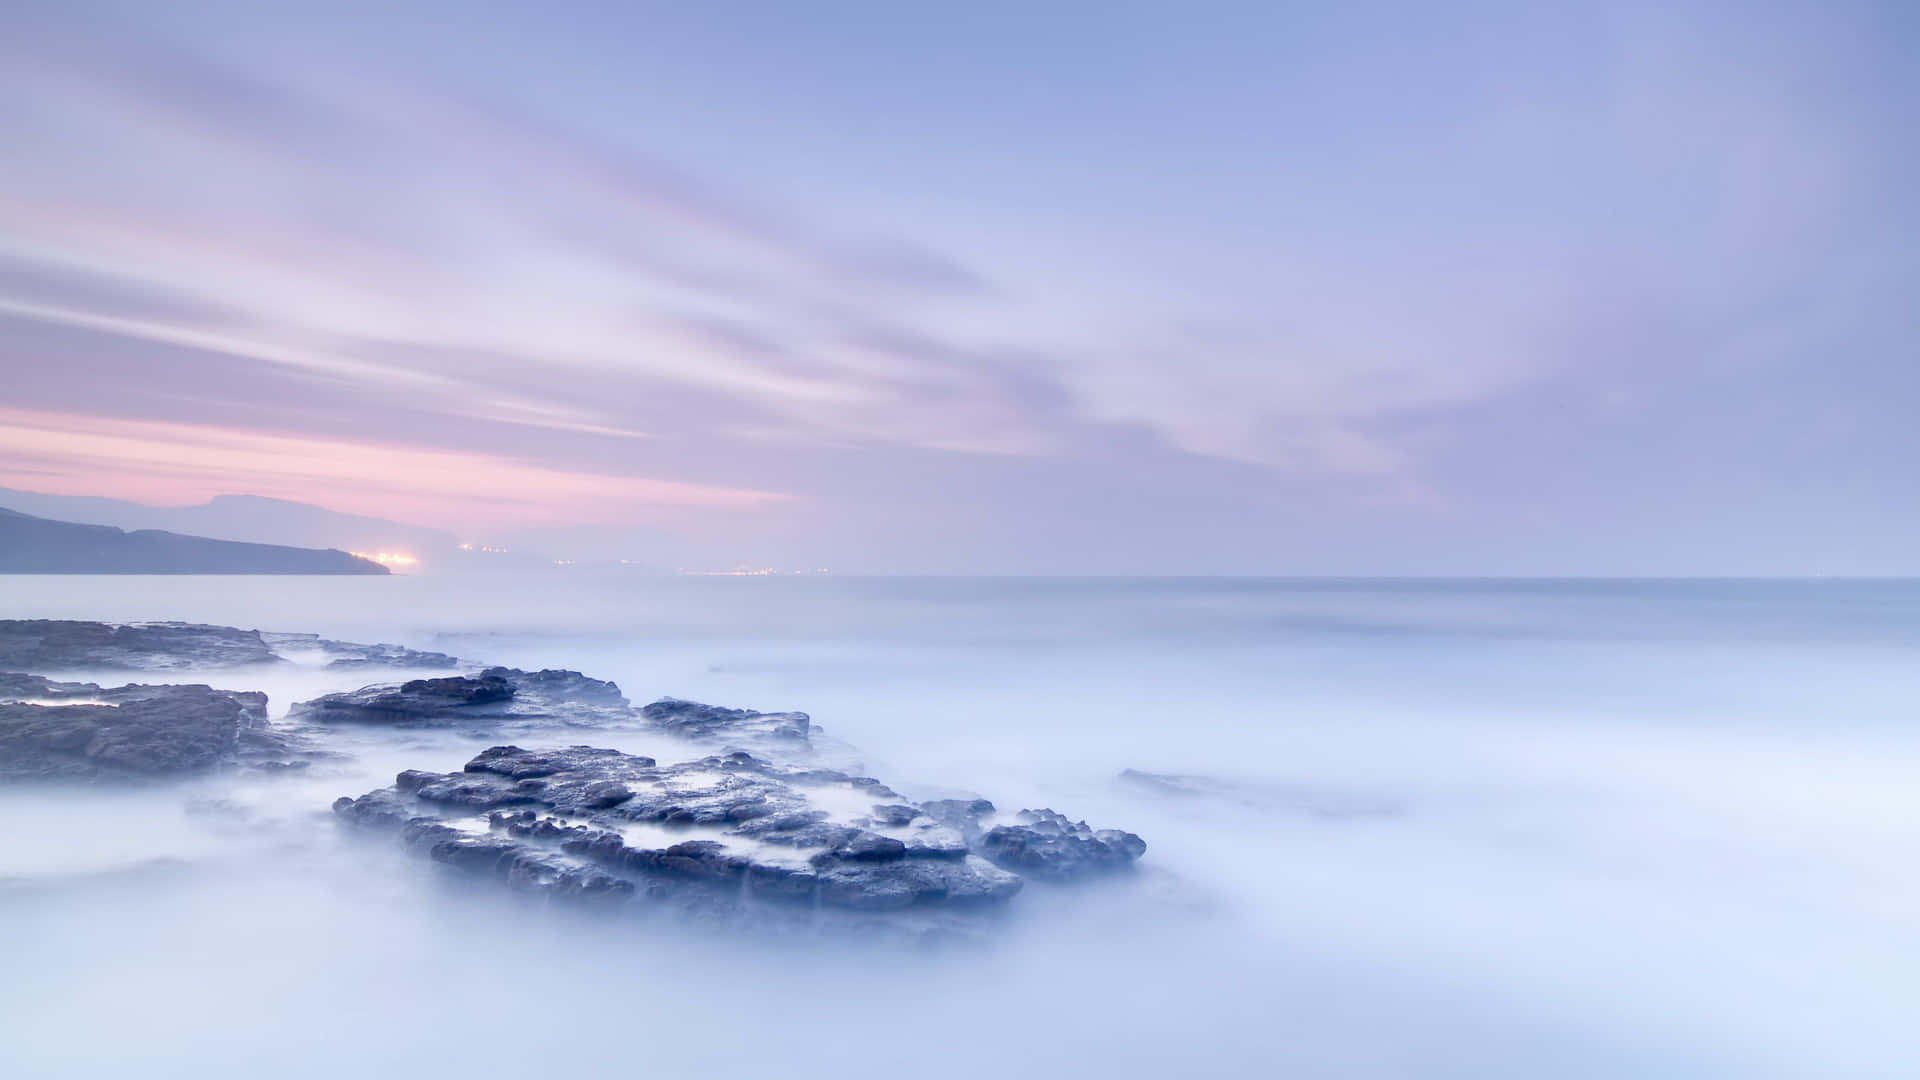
(1445, 828)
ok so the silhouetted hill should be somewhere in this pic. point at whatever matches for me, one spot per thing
(254, 519)
(31, 545)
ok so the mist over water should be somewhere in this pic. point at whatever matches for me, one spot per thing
(1473, 829)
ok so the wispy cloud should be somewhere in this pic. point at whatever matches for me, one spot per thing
(1294, 277)
(72, 453)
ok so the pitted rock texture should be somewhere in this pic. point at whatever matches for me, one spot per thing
(1047, 845)
(719, 834)
(68, 731)
(61, 645)
(724, 835)
(494, 696)
(693, 720)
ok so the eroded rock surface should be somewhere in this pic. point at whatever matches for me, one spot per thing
(63, 645)
(693, 720)
(63, 731)
(769, 838)
(493, 696)
(1048, 845)
(723, 836)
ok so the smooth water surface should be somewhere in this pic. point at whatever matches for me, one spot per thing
(1461, 829)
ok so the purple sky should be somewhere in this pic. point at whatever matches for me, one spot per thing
(1117, 288)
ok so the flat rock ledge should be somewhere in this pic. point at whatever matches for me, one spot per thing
(41, 645)
(501, 698)
(733, 839)
(80, 731)
(348, 654)
(63, 645)
(496, 695)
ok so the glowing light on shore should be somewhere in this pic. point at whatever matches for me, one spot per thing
(387, 558)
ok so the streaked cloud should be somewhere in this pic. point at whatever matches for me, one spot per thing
(173, 462)
(1285, 263)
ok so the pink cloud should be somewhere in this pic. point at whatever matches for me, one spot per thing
(161, 461)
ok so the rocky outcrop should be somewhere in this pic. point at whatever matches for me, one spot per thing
(693, 720)
(347, 654)
(769, 838)
(494, 696)
(64, 645)
(725, 837)
(66, 731)
(1046, 844)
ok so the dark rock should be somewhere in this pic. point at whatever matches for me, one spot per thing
(561, 686)
(693, 720)
(719, 834)
(127, 731)
(421, 701)
(1048, 845)
(33, 688)
(497, 695)
(895, 814)
(57, 645)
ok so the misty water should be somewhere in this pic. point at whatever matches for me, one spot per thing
(1444, 829)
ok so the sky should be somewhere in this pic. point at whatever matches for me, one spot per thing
(987, 288)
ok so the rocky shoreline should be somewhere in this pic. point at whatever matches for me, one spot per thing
(758, 832)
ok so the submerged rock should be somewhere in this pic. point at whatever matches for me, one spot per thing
(495, 695)
(731, 836)
(59, 645)
(347, 654)
(66, 731)
(1266, 797)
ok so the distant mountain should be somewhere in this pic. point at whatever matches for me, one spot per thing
(32, 545)
(251, 518)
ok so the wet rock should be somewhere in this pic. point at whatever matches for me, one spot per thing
(693, 720)
(1047, 845)
(494, 696)
(127, 732)
(15, 686)
(453, 699)
(557, 685)
(895, 814)
(59, 645)
(719, 835)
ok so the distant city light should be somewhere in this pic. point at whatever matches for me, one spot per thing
(387, 558)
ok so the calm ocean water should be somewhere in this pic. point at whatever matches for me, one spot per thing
(1434, 828)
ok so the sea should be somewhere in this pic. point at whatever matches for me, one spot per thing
(1396, 828)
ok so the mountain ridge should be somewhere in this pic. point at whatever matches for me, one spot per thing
(36, 545)
(253, 519)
